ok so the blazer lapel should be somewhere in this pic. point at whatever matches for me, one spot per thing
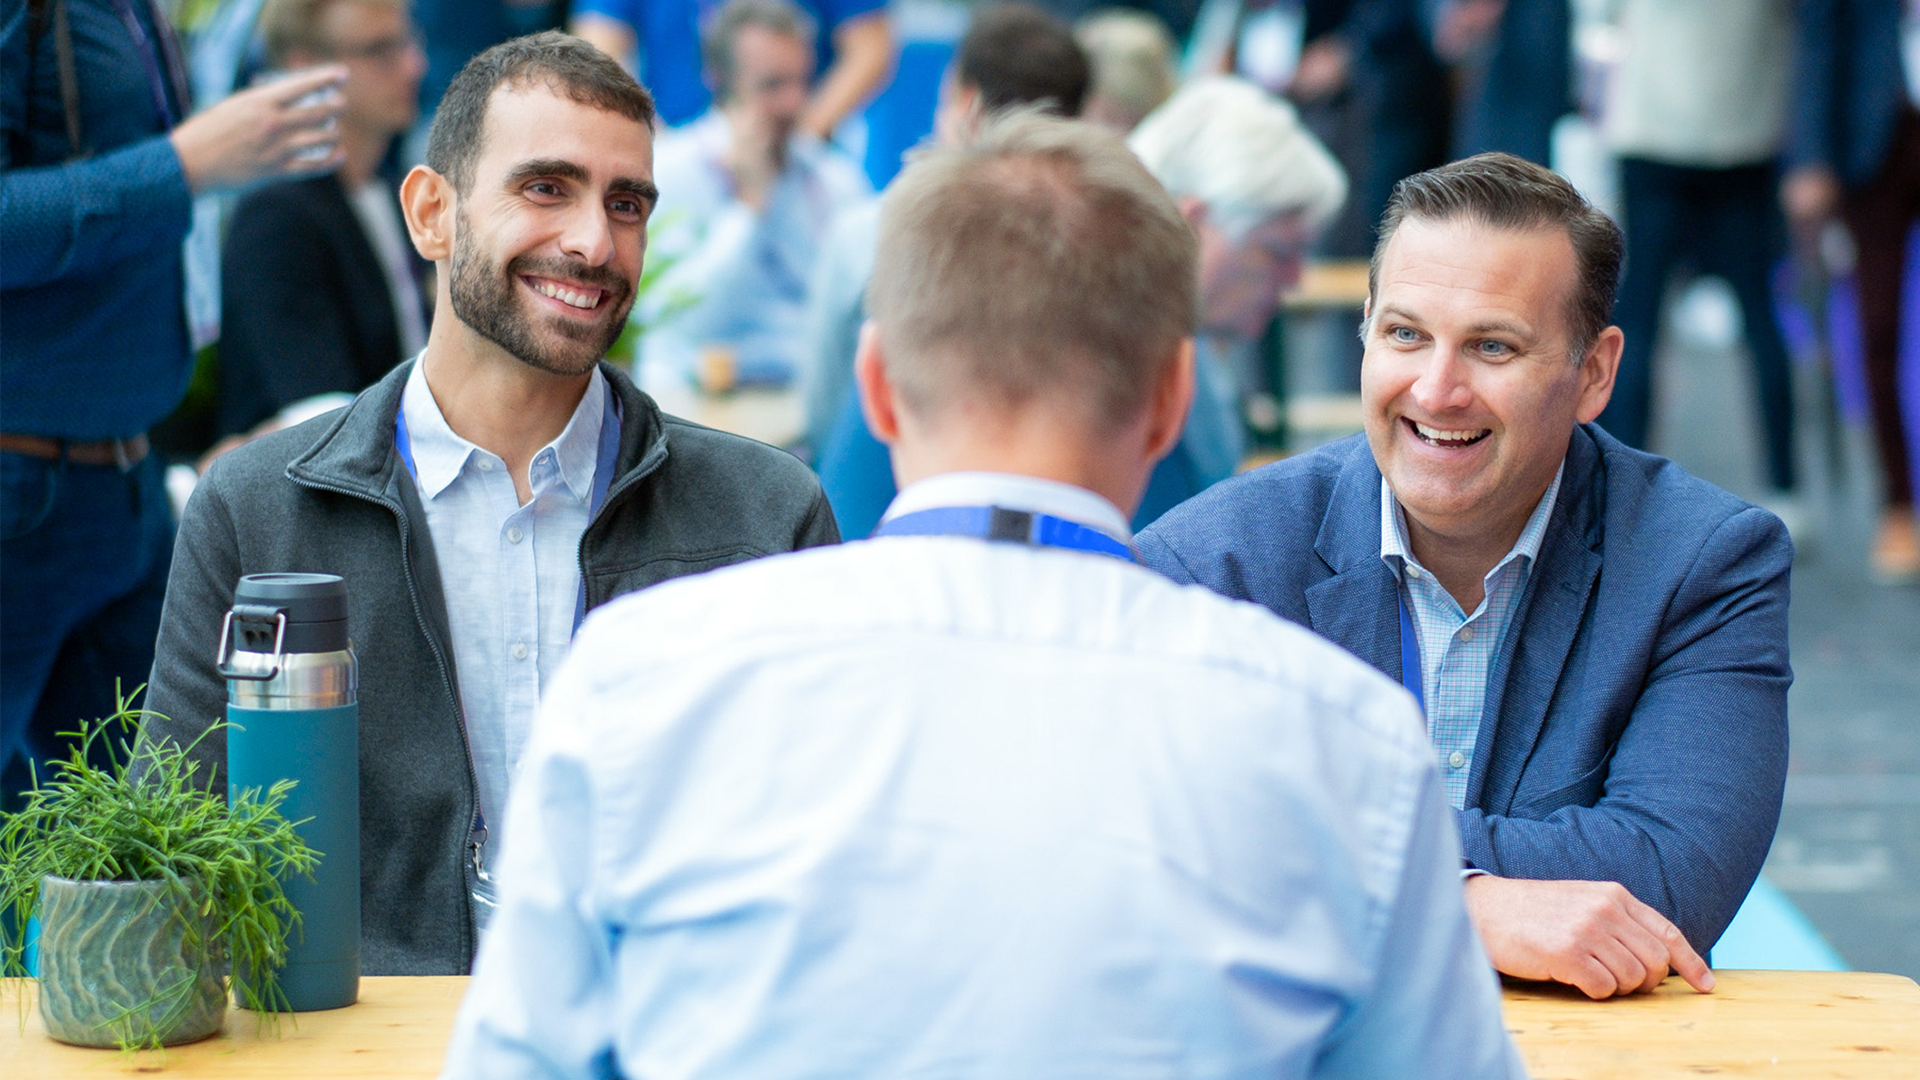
(1358, 607)
(1526, 674)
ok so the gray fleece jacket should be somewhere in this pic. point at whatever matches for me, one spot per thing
(331, 496)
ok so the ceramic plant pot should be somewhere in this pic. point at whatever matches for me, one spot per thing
(115, 968)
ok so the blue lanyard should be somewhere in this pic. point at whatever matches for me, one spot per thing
(604, 465)
(1410, 655)
(1014, 526)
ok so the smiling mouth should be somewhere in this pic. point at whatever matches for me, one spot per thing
(1447, 438)
(584, 298)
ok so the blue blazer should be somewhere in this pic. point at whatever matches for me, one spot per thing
(1849, 87)
(1635, 727)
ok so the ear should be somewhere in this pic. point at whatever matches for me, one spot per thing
(427, 200)
(1597, 370)
(876, 392)
(1172, 397)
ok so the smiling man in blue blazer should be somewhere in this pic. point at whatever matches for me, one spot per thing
(1599, 639)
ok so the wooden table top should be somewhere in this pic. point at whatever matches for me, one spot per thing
(1793, 1025)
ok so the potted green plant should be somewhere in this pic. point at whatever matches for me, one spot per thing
(147, 885)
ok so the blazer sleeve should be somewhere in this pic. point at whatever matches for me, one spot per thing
(1691, 793)
(1816, 84)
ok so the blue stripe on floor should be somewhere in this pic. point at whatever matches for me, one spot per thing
(1770, 933)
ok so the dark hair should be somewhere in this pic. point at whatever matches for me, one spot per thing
(1017, 54)
(561, 62)
(718, 37)
(1506, 192)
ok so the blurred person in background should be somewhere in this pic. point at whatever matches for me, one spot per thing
(1257, 187)
(321, 287)
(1855, 153)
(101, 164)
(1696, 113)
(661, 42)
(1512, 64)
(1132, 56)
(748, 195)
(1012, 54)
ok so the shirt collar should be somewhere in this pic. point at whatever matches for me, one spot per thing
(1013, 492)
(439, 454)
(1396, 551)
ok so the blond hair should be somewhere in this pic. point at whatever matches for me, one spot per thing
(1040, 260)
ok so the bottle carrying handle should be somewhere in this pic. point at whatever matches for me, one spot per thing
(223, 659)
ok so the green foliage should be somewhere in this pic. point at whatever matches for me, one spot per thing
(150, 817)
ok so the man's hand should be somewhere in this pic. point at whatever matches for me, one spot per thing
(1593, 935)
(757, 154)
(1809, 194)
(264, 132)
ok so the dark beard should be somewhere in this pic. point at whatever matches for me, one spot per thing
(485, 301)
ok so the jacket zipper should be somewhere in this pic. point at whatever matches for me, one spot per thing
(469, 849)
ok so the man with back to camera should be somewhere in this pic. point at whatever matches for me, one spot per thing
(981, 796)
(319, 288)
(749, 197)
(1598, 638)
(479, 500)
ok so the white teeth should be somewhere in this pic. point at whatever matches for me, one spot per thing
(1440, 435)
(566, 296)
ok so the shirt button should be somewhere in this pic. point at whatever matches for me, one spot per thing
(514, 534)
(486, 465)
(1457, 759)
(520, 653)
(1413, 572)
(1466, 633)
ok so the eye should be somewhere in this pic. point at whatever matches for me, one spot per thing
(1493, 349)
(544, 189)
(1403, 335)
(627, 208)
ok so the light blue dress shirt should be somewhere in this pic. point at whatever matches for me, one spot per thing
(937, 807)
(733, 276)
(1457, 649)
(510, 573)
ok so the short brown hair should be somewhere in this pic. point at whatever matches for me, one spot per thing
(561, 62)
(1041, 259)
(290, 26)
(1506, 192)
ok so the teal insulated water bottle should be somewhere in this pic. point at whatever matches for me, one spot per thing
(291, 698)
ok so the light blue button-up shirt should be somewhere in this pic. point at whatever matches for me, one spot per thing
(1457, 649)
(510, 573)
(932, 806)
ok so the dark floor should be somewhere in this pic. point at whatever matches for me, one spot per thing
(1848, 849)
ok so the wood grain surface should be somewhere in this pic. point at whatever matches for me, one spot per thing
(1789, 1025)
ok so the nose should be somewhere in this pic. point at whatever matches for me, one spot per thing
(588, 233)
(1442, 382)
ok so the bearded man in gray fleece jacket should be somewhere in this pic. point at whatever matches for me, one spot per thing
(481, 497)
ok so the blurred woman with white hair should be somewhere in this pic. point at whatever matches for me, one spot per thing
(1257, 187)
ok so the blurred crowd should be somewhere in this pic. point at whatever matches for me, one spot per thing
(1771, 144)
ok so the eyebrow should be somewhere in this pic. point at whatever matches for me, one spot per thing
(567, 170)
(1496, 326)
